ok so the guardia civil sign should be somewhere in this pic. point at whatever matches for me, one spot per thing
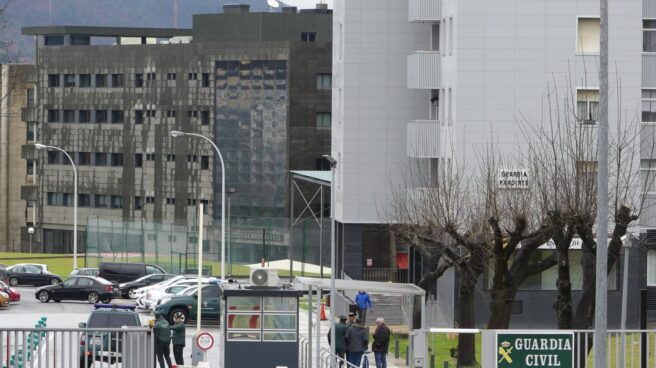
(537, 349)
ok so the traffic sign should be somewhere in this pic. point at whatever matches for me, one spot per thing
(204, 341)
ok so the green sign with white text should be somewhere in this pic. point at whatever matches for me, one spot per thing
(519, 350)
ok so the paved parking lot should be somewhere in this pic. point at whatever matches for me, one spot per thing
(67, 314)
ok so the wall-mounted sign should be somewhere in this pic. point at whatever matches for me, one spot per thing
(513, 179)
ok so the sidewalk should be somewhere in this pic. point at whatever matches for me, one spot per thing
(325, 326)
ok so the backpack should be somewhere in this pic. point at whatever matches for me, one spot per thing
(163, 332)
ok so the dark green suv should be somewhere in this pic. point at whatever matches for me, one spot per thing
(185, 306)
(105, 346)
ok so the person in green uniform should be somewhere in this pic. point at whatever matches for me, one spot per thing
(162, 330)
(178, 340)
(340, 341)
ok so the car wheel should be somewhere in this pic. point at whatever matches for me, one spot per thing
(93, 297)
(131, 293)
(54, 281)
(13, 281)
(178, 313)
(106, 300)
(44, 296)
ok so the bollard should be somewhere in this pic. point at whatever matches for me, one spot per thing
(407, 357)
(432, 360)
(397, 347)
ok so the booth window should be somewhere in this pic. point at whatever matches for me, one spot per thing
(262, 318)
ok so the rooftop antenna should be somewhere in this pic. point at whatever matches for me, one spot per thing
(273, 4)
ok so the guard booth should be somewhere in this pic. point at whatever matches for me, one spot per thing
(261, 326)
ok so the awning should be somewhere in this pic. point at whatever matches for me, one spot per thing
(322, 177)
(283, 265)
(355, 285)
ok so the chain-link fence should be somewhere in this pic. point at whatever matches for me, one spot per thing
(175, 247)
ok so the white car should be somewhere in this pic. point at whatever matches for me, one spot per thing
(154, 296)
(142, 291)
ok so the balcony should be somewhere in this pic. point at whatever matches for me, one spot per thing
(29, 192)
(424, 70)
(428, 139)
(424, 10)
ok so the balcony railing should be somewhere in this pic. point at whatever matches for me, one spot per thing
(428, 139)
(424, 70)
(424, 10)
(28, 114)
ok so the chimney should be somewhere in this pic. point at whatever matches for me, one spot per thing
(322, 6)
(236, 8)
(289, 9)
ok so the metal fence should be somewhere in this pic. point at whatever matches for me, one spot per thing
(81, 347)
(386, 275)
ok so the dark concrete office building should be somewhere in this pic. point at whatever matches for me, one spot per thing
(257, 84)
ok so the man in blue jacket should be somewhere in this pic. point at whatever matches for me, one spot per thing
(363, 301)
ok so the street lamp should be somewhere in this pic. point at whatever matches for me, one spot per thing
(175, 134)
(30, 231)
(231, 191)
(333, 165)
(43, 147)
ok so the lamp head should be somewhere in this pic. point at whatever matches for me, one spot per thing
(176, 133)
(30, 230)
(40, 146)
(331, 160)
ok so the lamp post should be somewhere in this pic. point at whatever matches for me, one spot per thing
(43, 147)
(231, 191)
(175, 134)
(30, 231)
(333, 165)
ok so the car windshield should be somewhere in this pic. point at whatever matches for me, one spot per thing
(142, 278)
(112, 320)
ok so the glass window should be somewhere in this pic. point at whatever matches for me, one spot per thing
(243, 321)
(648, 105)
(649, 35)
(116, 159)
(69, 116)
(279, 304)
(588, 36)
(53, 157)
(138, 80)
(587, 105)
(67, 199)
(30, 167)
(85, 80)
(69, 80)
(324, 81)
(83, 281)
(279, 322)
(100, 201)
(308, 36)
(70, 282)
(53, 80)
(100, 159)
(138, 160)
(117, 116)
(84, 158)
(279, 336)
(323, 119)
(31, 269)
(651, 267)
(85, 116)
(53, 116)
(116, 201)
(206, 80)
(205, 118)
(83, 200)
(31, 129)
(244, 303)
(101, 80)
(117, 80)
(243, 336)
(101, 116)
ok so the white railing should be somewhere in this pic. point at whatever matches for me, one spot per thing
(424, 70)
(424, 10)
(428, 139)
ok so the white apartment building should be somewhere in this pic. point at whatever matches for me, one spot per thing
(431, 80)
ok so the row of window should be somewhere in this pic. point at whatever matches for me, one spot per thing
(113, 159)
(115, 80)
(109, 201)
(116, 116)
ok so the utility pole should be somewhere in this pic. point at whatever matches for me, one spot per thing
(601, 297)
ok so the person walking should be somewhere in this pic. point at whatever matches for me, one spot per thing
(178, 340)
(340, 338)
(357, 340)
(363, 301)
(380, 345)
(162, 330)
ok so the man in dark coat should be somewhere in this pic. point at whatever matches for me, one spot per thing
(340, 338)
(357, 340)
(380, 345)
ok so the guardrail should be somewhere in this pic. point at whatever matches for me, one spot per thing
(81, 347)
(385, 275)
(328, 360)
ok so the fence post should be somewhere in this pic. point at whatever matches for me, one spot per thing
(397, 347)
(432, 360)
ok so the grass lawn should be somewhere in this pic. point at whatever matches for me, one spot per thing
(439, 344)
(62, 264)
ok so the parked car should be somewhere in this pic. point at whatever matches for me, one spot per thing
(92, 289)
(153, 296)
(85, 272)
(160, 285)
(3, 276)
(4, 299)
(128, 288)
(184, 306)
(40, 266)
(14, 295)
(30, 275)
(105, 346)
(126, 272)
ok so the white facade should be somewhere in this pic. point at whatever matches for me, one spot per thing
(486, 62)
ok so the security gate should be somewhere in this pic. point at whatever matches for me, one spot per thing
(80, 347)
